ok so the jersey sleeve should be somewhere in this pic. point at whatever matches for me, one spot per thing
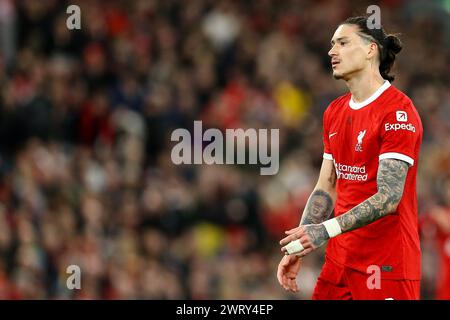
(400, 132)
(326, 140)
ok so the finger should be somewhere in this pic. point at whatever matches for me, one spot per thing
(294, 288)
(293, 285)
(285, 283)
(281, 274)
(293, 247)
(284, 263)
(306, 242)
(281, 271)
(292, 237)
(286, 240)
(305, 252)
(293, 230)
(280, 280)
(288, 283)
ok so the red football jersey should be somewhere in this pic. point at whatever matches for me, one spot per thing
(356, 137)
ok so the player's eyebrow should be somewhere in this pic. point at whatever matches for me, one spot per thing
(338, 39)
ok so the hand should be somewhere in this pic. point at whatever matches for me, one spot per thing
(288, 269)
(311, 236)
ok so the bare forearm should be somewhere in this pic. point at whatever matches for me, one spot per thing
(318, 208)
(391, 179)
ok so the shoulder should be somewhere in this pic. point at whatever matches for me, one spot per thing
(396, 100)
(398, 110)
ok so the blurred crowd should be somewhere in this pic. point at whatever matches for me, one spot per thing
(86, 117)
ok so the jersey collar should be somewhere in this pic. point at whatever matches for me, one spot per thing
(373, 97)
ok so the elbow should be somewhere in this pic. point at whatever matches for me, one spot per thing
(394, 206)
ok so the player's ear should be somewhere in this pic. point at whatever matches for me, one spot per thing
(372, 50)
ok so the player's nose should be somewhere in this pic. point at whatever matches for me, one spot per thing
(332, 52)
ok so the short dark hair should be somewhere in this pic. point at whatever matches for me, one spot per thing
(388, 44)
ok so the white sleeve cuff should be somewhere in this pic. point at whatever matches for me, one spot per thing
(327, 156)
(333, 228)
(398, 156)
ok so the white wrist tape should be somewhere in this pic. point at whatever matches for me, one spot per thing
(333, 227)
(294, 247)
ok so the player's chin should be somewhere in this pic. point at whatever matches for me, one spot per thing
(338, 75)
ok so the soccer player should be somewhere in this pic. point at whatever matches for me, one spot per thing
(372, 136)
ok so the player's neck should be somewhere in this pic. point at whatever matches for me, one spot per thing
(364, 85)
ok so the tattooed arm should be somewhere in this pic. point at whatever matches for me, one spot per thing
(391, 181)
(391, 178)
(321, 201)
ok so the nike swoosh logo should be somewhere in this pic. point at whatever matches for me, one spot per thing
(332, 134)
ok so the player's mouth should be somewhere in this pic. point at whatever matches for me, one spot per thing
(334, 63)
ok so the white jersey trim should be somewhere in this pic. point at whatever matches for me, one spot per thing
(373, 97)
(398, 156)
(327, 156)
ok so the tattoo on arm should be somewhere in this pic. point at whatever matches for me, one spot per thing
(319, 205)
(391, 178)
(332, 178)
(318, 234)
(318, 208)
